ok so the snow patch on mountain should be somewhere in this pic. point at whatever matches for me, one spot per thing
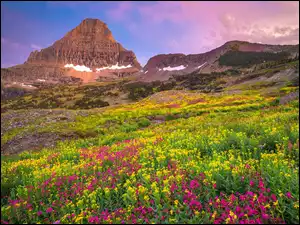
(113, 67)
(182, 67)
(201, 65)
(78, 68)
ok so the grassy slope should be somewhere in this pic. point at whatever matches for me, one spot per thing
(196, 133)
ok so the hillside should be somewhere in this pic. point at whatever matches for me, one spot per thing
(181, 153)
(126, 90)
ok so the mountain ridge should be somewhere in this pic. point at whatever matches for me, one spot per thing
(207, 61)
(89, 52)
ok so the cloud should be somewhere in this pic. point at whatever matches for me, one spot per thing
(36, 47)
(120, 12)
(201, 26)
(7, 42)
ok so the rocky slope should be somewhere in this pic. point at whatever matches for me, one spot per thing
(162, 67)
(87, 52)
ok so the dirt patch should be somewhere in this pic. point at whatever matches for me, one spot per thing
(157, 119)
(289, 97)
(34, 141)
(195, 101)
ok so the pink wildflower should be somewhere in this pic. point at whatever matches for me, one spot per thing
(289, 195)
(237, 209)
(49, 210)
(265, 216)
(273, 197)
(251, 183)
(194, 184)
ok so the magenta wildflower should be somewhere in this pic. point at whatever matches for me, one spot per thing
(173, 187)
(273, 197)
(237, 210)
(93, 219)
(49, 210)
(265, 216)
(194, 184)
(250, 193)
(39, 213)
(258, 221)
(289, 195)
(251, 183)
(241, 215)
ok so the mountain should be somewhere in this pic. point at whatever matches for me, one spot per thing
(88, 52)
(91, 44)
(233, 54)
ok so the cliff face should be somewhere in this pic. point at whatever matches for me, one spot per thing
(90, 44)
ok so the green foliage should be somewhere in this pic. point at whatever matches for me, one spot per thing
(87, 103)
(245, 59)
(128, 127)
(143, 122)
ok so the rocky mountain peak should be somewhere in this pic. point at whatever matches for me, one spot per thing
(90, 44)
(92, 28)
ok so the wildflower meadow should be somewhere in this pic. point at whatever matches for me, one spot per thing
(212, 159)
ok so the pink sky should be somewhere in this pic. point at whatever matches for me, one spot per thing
(206, 25)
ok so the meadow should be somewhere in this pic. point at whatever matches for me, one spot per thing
(175, 157)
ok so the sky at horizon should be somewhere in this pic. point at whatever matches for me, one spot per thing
(148, 28)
